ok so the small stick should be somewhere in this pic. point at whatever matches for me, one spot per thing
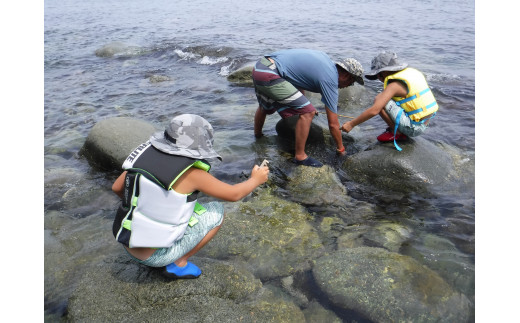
(345, 116)
(339, 115)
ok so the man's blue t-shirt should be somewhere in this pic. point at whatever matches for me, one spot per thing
(310, 70)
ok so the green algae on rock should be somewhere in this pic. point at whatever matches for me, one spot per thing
(271, 235)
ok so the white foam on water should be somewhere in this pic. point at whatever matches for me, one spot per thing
(184, 55)
(206, 60)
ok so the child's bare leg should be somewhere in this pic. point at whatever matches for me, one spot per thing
(182, 261)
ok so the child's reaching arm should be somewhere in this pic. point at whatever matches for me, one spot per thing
(209, 185)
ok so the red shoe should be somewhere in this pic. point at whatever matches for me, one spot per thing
(388, 136)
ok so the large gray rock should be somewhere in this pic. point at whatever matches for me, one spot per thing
(111, 140)
(388, 287)
(420, 166)
(120, 290)
(271, 236)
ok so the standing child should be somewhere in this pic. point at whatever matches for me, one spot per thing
(159, 222)
(406, 104)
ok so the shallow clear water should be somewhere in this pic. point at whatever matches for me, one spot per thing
(196, 44)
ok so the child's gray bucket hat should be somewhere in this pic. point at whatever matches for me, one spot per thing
(385, 61)
(187, 135)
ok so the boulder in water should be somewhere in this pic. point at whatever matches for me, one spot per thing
(388, 287)
(111, 141)
(420, 166)
(121, 289)
(242, 77)
(117, 48)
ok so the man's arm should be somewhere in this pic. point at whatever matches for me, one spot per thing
(335, 131)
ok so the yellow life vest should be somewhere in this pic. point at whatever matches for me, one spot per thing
(419, 102)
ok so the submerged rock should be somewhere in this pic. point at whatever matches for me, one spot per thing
(71, 247)
(300, 298)
(159, 78)
(419, 167)
(441, 255)
(111, 140)
(388, 287)
(390, 236)
(270, 235)
(118, 48)
(315, 312)
(317, 186)
(119, 289)
(322, 188)
(242, 77)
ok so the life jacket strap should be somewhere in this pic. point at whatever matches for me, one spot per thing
(424, 120)
(413, 97)
(397, 120)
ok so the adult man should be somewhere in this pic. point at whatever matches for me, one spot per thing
(406, 104)
(281, 79)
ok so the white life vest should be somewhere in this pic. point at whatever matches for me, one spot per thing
(151, 213)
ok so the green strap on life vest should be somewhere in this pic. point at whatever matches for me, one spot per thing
(199, 209)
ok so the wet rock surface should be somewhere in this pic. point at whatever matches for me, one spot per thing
(388, 287)
(421, 166)
(277, 257)
(118, 289)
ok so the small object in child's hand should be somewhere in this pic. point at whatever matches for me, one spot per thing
(264, 163)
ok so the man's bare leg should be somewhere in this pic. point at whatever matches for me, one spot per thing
(259, 121)
(301, 133)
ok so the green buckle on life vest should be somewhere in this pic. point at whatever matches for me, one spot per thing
(202, 165)
(199, 209)
(127, 224)
(134, 201)
(193, 221)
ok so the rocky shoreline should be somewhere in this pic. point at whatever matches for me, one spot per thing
(273, 261)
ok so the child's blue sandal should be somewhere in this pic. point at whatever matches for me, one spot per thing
(187, 272)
